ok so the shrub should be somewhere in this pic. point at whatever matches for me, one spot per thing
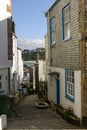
(42, 90)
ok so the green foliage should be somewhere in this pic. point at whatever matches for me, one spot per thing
(32, 54)
(25, 85)
(69, 112)
(42, 90)
(58, 106)
(31, 91)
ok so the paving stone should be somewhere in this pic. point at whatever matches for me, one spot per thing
(33, 118)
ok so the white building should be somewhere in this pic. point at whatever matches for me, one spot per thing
(31, 76)
(9, 69)
(5, 9)
(42, 70)
(19, 65)
(14, 65)
(5, 63)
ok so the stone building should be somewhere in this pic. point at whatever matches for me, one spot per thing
(67, 51)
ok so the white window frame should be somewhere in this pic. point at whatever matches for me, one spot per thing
(70, 88)
(52, 31)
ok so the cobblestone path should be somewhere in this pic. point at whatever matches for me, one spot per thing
(33, 118)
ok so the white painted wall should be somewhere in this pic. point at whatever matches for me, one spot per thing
(42, 69)
(19, 65)
(14, 65)
(3, 121)
(4, 63)
(3, 9)
(17, 68)
(4, 80)
(65, 102)
(51, 89)
(34, 77)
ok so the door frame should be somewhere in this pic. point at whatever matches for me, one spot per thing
(57, 89)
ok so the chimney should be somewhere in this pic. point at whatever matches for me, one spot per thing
(38, 57)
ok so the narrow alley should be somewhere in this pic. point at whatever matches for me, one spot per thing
(34, 118)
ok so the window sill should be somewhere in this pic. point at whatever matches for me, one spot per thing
(53, 43)
(66, 39)
(70, 98)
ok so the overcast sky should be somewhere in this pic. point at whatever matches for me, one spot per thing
(30, 21)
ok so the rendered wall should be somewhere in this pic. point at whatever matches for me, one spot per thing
(4, 80)
(4, 63)
(42, 68)
(6, 8)
(20, 64)
(65, 102)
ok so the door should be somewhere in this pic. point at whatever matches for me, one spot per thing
(57, 89)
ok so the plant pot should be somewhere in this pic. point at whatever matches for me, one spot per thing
(69, 118)
(73, 120)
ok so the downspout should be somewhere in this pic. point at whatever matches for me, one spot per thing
(48, 51)
(48, 34)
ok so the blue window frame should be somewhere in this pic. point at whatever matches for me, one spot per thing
(66, 22)
(52, 30)
(69, 84)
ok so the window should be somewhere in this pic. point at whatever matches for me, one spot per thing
(69, 74)
(66, 22)
(52, 30)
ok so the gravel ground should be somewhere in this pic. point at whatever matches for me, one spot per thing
(34, 118)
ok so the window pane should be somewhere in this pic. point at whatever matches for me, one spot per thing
(66, 19)
(70, 82)
(67, 10)
(52, 29)
(67, 22)
(53, 23)
(67, 30)
(67, 78)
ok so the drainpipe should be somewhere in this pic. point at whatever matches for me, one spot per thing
(48, 28)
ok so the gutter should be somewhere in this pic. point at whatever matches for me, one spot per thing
(51, 7)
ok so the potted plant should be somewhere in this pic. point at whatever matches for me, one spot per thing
(68, 115)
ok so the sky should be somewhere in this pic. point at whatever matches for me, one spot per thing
(30, 22)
